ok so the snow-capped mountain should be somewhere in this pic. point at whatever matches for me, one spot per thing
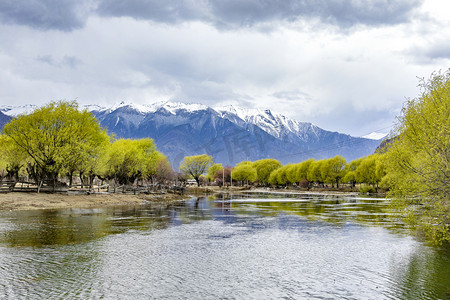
(230, 134)
(4, 119)
(276, 125)
(375, 136)
(14, 111)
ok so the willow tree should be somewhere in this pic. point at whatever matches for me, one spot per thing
(195, 166)
(291, 173)
(127, 160)
(53, 136)
(279, 176)
(213, 171)
(264, 167)
(243, 172)
(314, 171)
(418, 159)
(350, 171)
(333, 169)
(13, 158)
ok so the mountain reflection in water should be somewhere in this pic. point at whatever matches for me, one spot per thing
(239, 247)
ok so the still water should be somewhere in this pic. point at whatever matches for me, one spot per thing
(247, 247)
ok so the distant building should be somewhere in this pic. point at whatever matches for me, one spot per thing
(191, 182)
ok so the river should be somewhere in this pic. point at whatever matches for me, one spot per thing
(260, 246)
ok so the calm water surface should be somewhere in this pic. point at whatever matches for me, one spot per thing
(248, 247)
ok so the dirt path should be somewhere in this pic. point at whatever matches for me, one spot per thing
(27, 201)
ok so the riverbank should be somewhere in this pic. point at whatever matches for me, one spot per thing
(263, 190)
(31, 201)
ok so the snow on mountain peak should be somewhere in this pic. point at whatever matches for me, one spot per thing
(137, 107)
(242, 113)
(375, 136)
(275, 124)
(174, 107)
(14, 111)
(93, 107)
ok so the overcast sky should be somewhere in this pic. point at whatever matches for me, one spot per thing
(346, 66)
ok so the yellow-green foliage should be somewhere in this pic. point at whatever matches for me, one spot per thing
(418, 160)
(3, 165)
(279, 176)
(13, 159)
(302, 169)
(245, 162)
(56, 137)
(291, 173)
(196, 165)
(213, 170)
(350, 171)
(264, 167)
(370, 169)
(127, 160)
(244, 172)
(333, 169)
(314, 171)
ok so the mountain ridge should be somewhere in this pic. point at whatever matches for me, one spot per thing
(230, 134)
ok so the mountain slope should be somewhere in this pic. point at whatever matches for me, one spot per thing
(230, 134)
(4, 119)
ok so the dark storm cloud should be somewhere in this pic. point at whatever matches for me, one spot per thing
(64, 15)
(167, 11)
(67, 15)
(238, 13)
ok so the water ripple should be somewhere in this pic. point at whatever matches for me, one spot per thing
(246, 251)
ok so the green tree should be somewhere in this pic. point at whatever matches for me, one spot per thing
(127, 160)
(213, 171)
(314, 171)
(302, 170)
(279, 176)
(418, 159)
(245, 162)
(273, 178)
(85, 158)
(350, 168)
(14, 158)
(51, 135)
(195, 166)
(244, 172)
(370, 170)
(380, 167)
(264, 167)
(291, 173)
(332, 169)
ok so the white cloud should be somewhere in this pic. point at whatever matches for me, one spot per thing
(352, 79)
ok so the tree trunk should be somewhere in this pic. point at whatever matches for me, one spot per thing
(70, 178)
(39, 186)
(81, 179)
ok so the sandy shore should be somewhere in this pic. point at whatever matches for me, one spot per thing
(28, 201)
